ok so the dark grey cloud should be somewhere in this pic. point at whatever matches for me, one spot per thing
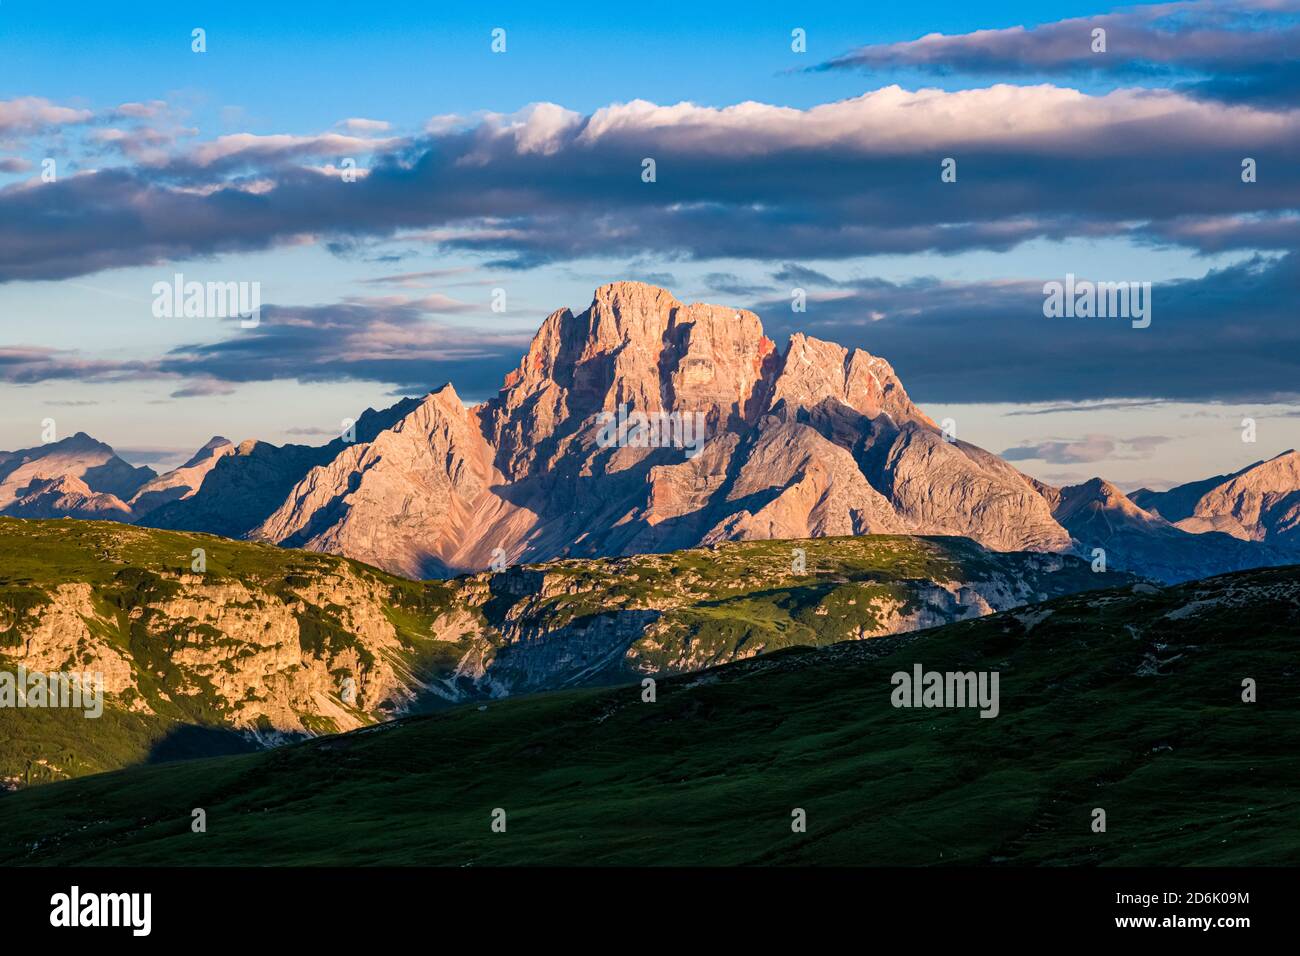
(798, 276)
(1086, 407)
(1234, 50)
(25, 365)
(728, 283)
(1273, 84)
(1230, 335)
(388, 340)
(1089, 448)
(203, 388)
(665, 280)
(840, 180)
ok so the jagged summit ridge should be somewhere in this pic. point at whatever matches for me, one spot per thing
(815, 439)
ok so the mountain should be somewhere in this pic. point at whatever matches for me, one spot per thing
(742, 442)
(222, 489)
(644, 425)
(1180, 501)
(179, 483)
(257, 646)
(401, 501)
(1258, 503)
(1099, 515)
(1129, 700)
(243, 487)
(101, 481)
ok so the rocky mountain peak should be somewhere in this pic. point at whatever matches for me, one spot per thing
(816, 440)
(79, 456)
(814, 371)
(66, 495)
(80, 441)
(1257, 504)
(1099, 495)
(214, 447)
(635, 347)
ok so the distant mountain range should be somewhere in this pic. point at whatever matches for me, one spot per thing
(806, 441)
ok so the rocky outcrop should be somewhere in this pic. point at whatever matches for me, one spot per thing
(264, 650)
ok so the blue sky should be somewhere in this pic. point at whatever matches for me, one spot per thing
(1073, 168)
(299, 67)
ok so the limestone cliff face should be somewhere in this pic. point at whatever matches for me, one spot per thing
(635, 346)
(409, 500)
(224, 652)
(745, 441)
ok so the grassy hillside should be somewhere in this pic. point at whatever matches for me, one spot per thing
(188, 658)
(259, 644)
(1128, 700)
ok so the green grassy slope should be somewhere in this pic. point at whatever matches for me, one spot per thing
(706, 606)
(1128, 700)
(172, 710)
(741, 598)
